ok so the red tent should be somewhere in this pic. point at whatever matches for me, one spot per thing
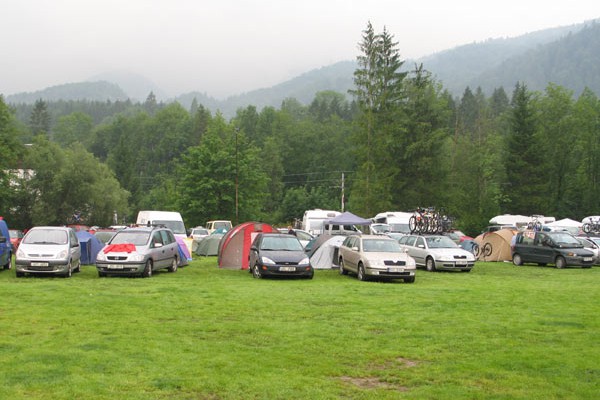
(234, 248)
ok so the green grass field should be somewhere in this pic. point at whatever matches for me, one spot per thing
(500, 332)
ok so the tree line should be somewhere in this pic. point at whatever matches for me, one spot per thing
(403, 141)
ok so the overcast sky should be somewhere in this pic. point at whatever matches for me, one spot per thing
(225, 47)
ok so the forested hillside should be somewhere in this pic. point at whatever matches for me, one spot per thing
(403, 141)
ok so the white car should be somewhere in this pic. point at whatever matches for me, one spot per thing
(437, 252)
(592, 244)
(375, 256)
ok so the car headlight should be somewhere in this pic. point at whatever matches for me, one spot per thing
(62, 255)
(136, 257)
(267, 260)
(376, 263)
(20, 254)
(100, 256)
(304, 261)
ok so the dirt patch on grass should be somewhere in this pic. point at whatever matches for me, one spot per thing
(371, 382)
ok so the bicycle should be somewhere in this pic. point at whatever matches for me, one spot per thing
(535, 224)
(592, 226)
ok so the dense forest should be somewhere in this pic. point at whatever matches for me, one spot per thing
(403, 141)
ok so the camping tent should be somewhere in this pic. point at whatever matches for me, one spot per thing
(184, 253)
(495, 246)
(234, 248)
(90, 247)
(347, 218)
(326, 255)
(209, 245)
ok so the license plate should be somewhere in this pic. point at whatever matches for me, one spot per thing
(395, 269)
(461, 263)
(587, 259)
(287, 269)
(39, 264)
(114, 266)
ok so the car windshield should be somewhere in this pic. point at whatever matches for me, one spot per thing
(137, 238)
(381, 246)
(564, 239)
(46, 236)
(434, 242)
(287, 243)
(380, 228)
(15, 234)
(222, 224)
(199, 232)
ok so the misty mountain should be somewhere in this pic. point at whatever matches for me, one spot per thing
(93, 91)
(568, 56)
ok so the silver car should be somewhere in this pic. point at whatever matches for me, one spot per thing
(139, 251)
(375, 256)
(437, 252)
(52, 250)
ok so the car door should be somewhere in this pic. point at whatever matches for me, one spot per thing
(74, 248)
(419, 252)
(543, 252)
(158, 250)
(350, 254)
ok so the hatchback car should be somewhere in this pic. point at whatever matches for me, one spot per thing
(437, 252)
(15, 238)
(558, 248)
(139, 251)
(375, 256)
(49, 250)
(278, 255)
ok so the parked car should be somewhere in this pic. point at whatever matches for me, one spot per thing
(303, 236)
(457, 236)
(559, 248)
(380, 229)
(198, 233)
(139, 251)
(52, 250)
(104, 234)
(437, 252)
(590, 244)
(6, 248)
(15, 238)
(375, 256)
(278, 254)
(218, 225)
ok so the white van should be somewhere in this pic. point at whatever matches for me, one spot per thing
(212, 226)
(397, 220)
(313, 220)
(170, 219)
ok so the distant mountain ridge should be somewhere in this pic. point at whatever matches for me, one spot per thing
(568, 56)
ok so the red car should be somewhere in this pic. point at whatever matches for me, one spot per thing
(15, 238)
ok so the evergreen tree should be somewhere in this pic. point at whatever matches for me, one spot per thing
(39, 120)
(525, 181)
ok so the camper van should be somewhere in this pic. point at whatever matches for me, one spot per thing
(170, 219)
(397, 220)
(313, 220)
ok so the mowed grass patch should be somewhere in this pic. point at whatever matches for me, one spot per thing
(202, 333)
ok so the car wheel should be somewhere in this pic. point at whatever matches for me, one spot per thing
(410, 279)
(310, 276)
(430, 264)
(101, 274)
(78, 269)
(361, 273)
(20, 274)
(9, 262)
(342, 269)
(517, 260)
(173, 267)
(256, 272)
(560, 262)
(147, 269)
(69, 272)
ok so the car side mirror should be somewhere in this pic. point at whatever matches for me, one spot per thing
(158, 245)
(355, 248)
(421, 246)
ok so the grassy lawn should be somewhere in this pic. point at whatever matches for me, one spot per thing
(501, 332)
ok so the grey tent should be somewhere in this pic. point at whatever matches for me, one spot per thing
(326, 254)
(209, 246)
(344, 223)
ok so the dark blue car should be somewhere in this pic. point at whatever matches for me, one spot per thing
(5, 246)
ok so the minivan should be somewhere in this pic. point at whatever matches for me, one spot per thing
(48, 250)
(558, 248)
